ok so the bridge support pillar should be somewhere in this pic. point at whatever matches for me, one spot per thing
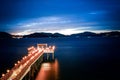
(53, 56)
(48, 56)
(31, 75)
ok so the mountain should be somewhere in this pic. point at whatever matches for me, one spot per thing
(40, 35)
(37, 35)
(91, 34)
(5, 35)
(110, 34)
(84, 34)
(57, 35)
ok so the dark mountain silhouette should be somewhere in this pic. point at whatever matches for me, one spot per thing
(57, 35)
(110, 34)
(84, 34)
(91, 34)
(39, 35)
(5, 35)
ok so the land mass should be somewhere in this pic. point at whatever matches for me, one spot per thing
(38, 35)
(5, 35)
(50, 35)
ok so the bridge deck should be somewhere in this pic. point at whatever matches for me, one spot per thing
(22, 67)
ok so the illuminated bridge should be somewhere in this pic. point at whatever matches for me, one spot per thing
(25, 68)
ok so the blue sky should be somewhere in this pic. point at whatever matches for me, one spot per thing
(63, 16)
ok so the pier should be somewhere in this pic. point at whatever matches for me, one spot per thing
(26, 68)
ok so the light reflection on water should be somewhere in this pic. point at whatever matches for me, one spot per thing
(48, 71)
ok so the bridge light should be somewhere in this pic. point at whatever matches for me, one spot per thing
(26, 62)
(18, 62)
(49, 46)
(53, 47)
(25, 57)
(19, 70)
(29, 54)
(32, 57)
(15, 74)
(8, 71)
(3, 75)
(15, 64)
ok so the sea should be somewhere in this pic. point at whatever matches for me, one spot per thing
(86, 58)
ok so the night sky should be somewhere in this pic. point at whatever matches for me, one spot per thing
(63, 16)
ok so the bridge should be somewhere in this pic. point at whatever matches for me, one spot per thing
(27, 67)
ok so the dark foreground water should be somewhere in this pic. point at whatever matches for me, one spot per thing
(75, 58)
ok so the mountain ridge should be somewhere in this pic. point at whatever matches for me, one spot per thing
(43, 35)
(5, 35)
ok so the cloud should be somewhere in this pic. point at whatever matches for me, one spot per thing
(97, 12)
(66, 31)
(61, 24)
(43, 21)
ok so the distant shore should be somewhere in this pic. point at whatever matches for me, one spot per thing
(51, 35)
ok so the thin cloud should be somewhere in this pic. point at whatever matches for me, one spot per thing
(53, 24)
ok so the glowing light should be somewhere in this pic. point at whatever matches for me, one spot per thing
(29, 54)
(3, 75)
(23, 58)
(32, 57)
(27, 61)
(15, 64)
(15, 74)
(46, 66)
(49, 46)
(30, 48)
(53, 47)
(19, 70)
(25, 64)
(48, 73)
(35, 54)
(18, 62)
(8, 70)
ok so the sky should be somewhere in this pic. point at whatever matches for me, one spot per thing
(23, 17)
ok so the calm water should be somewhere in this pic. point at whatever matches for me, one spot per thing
(76, 58)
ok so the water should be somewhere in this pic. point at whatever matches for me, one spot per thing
(49, 71)
(78, 58)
